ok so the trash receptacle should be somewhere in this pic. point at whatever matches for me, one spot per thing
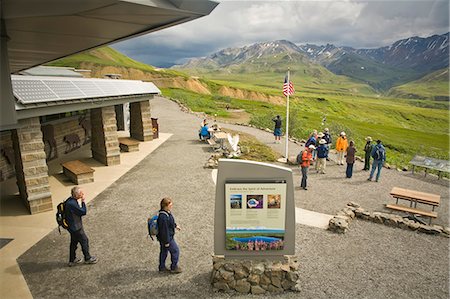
(155, 128)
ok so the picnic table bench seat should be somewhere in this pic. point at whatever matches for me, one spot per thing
(78, 172)
(414, 197)
(127, 144)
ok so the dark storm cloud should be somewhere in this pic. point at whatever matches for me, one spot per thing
(360, 24)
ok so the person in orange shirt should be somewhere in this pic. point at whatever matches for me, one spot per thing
(304, 165)
(341, 148)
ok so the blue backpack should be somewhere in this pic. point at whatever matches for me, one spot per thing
(379, 153)
(152, 224)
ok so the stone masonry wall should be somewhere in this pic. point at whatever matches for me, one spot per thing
(6, 168)
(31, 166)
(255, 276)
(105, 143)
(140, 121)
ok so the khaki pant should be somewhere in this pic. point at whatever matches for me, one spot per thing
(340, 158)
(322, 163)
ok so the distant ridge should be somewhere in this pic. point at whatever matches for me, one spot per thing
(382, 68)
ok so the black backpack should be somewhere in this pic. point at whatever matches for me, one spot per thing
(299, 157)
(61, 217)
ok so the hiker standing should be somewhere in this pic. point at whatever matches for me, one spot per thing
(379, 157)
(277, 129)
(351, 150)
(322, 155)
(165, 236)
(341, 148)
(75, 209)
(367, 150)
(327, 137)
(306, 162)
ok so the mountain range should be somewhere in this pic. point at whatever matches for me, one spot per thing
(404, 61)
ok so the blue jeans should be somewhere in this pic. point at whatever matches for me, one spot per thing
(349, 171)
(174, 255)
(376, 164)
(304, 176)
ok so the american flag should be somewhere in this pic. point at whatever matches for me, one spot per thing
(288, 88)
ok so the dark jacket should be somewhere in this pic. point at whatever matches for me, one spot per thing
(327, 137)
(322, 151)
(166, 227)
(277, 122)
(368, 148)
(351, 150)
(74, 213)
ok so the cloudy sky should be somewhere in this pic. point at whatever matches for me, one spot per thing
(355, 23)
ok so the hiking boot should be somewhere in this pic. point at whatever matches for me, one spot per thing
(76, 261)
(92, 260)
(176, 270)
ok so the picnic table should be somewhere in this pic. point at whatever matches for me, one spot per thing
(414, 197)
(430, 163)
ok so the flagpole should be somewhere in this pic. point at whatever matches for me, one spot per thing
(287, 117)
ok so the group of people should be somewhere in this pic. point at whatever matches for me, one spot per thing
(317, 148)
(75, 209)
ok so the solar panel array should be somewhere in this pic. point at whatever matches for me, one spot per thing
(34, 89)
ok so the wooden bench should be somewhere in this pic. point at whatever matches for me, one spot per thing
(413, 211)
(128, 144)
(78, 172)
(415, 197)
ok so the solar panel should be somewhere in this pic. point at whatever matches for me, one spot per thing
(39, 89)
(64, 89)
(32, 91)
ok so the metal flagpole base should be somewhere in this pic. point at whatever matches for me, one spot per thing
(282, 160)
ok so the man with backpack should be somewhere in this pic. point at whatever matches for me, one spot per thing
(75, 208)
(305, 163)
(165, 236)
(379, 157)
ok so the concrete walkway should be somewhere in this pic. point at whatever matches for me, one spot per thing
(370, 261)
(26, 230)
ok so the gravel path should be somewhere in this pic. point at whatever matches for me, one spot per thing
(369, 261)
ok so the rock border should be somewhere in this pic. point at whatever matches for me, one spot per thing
(255, 276)
(340, 223)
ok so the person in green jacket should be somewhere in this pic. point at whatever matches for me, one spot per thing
(367, 149)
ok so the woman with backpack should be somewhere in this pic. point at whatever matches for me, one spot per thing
(165, 236)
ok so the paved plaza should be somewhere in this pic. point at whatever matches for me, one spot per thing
(369, 261)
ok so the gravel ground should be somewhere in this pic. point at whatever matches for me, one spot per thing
(369, 261)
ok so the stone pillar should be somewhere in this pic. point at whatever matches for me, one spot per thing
(140, 121)
(31, 166)
(105, 143)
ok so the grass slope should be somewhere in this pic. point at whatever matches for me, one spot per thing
(434, 86)
(405, 128)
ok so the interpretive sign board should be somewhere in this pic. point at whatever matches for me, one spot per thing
(255, 216)
(254, 210)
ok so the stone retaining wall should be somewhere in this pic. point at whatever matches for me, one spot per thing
(340, 222)
(255, 276)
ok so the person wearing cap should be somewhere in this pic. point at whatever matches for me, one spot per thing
(341, 148)
(322, 155)
(319, 138)
(367, 150)
(350, 159)
(379, 157)
(304, 165)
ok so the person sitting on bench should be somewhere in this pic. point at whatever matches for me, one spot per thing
(204, 132)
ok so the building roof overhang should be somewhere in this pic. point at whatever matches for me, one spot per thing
(41, 31)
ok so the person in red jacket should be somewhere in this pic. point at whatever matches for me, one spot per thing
(304, 165)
